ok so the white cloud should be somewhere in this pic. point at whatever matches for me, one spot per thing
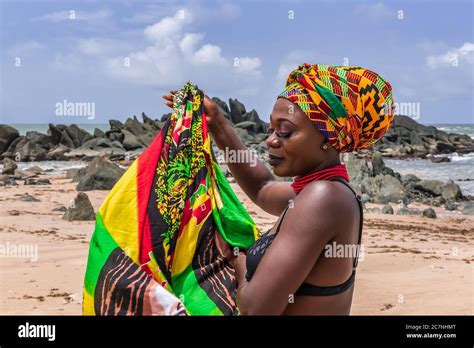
(174, 55)
(25, 48)
(452, 57)
(247, 64)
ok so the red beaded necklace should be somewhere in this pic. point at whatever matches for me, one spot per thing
(324, 174)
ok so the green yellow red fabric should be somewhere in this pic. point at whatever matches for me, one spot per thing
(351, 106)
(165, 232)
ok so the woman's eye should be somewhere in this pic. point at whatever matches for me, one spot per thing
(283, 135)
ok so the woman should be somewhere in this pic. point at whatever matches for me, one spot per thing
(322, 112)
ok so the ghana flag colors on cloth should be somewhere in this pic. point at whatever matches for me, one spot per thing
(165, 232)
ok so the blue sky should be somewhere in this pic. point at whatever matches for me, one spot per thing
(124, 55)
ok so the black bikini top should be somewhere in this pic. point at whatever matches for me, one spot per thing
(256, 252)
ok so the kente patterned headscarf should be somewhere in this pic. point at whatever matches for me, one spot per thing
(351, 106)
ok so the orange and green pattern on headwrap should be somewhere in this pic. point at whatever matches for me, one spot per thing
(351, 106)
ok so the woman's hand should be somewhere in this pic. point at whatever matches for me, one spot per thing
(214, 117)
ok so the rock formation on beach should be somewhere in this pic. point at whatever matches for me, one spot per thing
(375, 182)
(406, 138)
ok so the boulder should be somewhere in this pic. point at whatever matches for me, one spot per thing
(98, 133)
(224, 109)
(77, 135)
(58, 153)
(115, 135)
(9, 166)
(451, 191)
(80, 209)
(468, 208)
(115, 125)
(130, 141)
(100, 174)
(387, 209)
(166, 117)
(237, 111)
(429, 213)
(432, 187)
(34, 146)
(248, 125)
(450, 206)
(35, 170)
(7, 135)
(445, 147)
(252, 116)
(28, 198)
(23, 174)
(32, 181)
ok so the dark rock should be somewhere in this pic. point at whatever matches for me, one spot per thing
(445, 147)
(450, 206)
(99, 144)
(59, 152)
(429, 213)
(98, 133)
(7, 136)
(443, 159)
(249, 126)
(23, 174)
(165, 117)
(115, 135)
(387, 209)
(224, 109)
(77, 135)
(80, 209)
(451, 191)
(252, 116)
(433, 187)
(9, 166)
(28, 198)
(468, 208)
(31, 147)
(409, 178)
(37, 182)
(237, 111)
(9, 181)
(379, 167)
(155, 124)
(130, 141)
(115, 125)
(100, 174)
(408, 211)
(35, 169)
(61, 208)
(365, 198)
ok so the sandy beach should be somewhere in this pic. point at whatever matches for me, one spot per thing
(410, 265)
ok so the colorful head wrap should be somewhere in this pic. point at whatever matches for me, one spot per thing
(351, 106)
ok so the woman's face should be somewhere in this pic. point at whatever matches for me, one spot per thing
(294, 144)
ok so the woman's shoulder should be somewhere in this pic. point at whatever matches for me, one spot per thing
(330, 197)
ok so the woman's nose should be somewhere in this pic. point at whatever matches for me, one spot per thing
(272, 140)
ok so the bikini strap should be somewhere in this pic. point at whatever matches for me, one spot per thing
(281, 220)
(361, 222)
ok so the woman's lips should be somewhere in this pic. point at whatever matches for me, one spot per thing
(275, 160)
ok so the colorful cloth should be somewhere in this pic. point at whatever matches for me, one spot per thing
(167, 229)
(351, 106)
